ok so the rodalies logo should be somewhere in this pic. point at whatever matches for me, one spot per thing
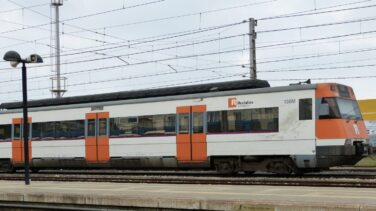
(233, 103)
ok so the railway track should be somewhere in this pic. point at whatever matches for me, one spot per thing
(318, 180)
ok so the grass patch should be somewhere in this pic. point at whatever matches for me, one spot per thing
(367, 161)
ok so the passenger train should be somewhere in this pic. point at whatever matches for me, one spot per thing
(237, 126)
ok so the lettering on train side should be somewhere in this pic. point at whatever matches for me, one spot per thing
(97, 108)
(234, 103)
(289, 101)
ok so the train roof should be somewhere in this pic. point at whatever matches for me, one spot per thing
(128, 95)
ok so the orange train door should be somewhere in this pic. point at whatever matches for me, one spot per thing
(97, 148)
(17, 140)
(191, 133)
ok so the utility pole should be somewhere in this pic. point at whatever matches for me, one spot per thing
(252, 48)
(58, 91)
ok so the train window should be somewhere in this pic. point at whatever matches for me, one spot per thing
(333, 109)
(5, 132)
(245, 120)
(102, 127)
(198, 123)
(157, 125)
(214, 122)
(184, 123)
(91, 127)
(343, 91)
(143, 125)
(16, 131)
(349, 109)
(150, 125)
(58, 130)
(36, 131)
(305, 109)
(170, 123)
(123, 126)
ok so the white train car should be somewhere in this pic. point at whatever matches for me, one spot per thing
(230, 126)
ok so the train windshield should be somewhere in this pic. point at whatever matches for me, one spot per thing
(339, 108)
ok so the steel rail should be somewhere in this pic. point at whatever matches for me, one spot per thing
(369, 181)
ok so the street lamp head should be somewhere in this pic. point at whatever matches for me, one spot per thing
(12, 56)
(34, 58)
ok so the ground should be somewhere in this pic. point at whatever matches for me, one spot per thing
(367, 161)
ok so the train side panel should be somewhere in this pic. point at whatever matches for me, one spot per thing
(143, 146)
(294, 137)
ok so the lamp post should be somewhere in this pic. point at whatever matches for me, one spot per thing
(14, 58)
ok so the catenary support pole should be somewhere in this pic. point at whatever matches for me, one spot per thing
(58, 79)
(252, 48)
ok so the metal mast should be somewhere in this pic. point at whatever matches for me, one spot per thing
(57, 80)
(252, 48)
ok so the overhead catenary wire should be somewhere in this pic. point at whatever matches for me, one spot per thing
(312, 26)
(85, 16)
(261, 32)
(324, 78)
(318, 25)
(235, 65)
(113, 46)
(137, 53)
(260, 47)
(140, 63)
(316, 12)
(24, 7)
(318, 55)
(209, 68)
(265, 46)
(148, 41)
(184, 15)
(343, 22)
(162, 37)
(318, 68)
(202, 12)
(317, 39)
(117, 79)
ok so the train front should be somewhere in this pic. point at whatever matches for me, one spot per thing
(341, 135)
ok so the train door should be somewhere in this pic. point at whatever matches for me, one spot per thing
(191, 133)
(18, 155)
(97, 137)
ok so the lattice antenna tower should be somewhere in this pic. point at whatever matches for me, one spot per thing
(58, 83)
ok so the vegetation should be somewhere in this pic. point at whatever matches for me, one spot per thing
(367, 161)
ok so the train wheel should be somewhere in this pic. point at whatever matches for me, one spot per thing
(283, 167)
(34, 170)
(249, 172)
(10, 168)
(225, 168)
(298, 172)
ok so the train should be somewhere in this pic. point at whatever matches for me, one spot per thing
(229, 127)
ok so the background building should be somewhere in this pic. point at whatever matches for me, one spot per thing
(368, 109)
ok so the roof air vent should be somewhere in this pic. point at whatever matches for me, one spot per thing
(214, 89)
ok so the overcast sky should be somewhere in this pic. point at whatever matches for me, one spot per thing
(121, 45)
